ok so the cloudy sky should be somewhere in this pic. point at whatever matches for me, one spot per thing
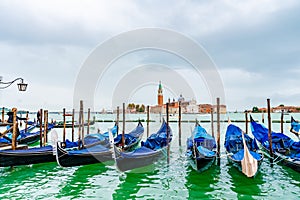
(254, 44)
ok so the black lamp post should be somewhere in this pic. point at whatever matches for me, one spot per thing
(21, 86)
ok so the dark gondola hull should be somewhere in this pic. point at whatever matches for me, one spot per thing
(151, 150)
(201, 164)
(21, 157)
(125, 163)
(29, 139)
(65, 159)
(284, 160)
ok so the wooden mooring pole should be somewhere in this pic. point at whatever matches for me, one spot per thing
(82, 122)
(64, 130)
(73, 119)
(212, 122)
(79, 127)
(281, 121)
(148, 118)
(168, 135)
(45, 126)
(41, 127)
(15, 129)
(263, 118)
(123, 131)
(2, 115)
(26, 125)
(21, 124)
(270, 131)
(118, 119)
(89, 115)
(218, 130)
(179, 123)
(246, 121)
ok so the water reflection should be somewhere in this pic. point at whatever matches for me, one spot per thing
(201, 185)
(244, 187)
(131, 184)
(25, 179)
(79, 180)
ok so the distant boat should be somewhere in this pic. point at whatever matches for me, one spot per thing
(150, 151)
(286, 150)
(172, 117)
(97, 153)
(242, 151)
(69, 124)
(201, 149)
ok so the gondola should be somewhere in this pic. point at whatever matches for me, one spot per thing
(295, 127)
(45, 154)
(96, 153)
(285, 149)
(150, 151)
(131, 139)
(242, 151)
(201, 149)
(27, 137)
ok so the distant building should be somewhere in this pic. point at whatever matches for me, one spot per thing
(159, 108)
(286, 109)
(278, 109)
(186, 106)
(205, 108)
(160, 96)
(223, 109)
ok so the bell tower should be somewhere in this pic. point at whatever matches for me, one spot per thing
(160, 97)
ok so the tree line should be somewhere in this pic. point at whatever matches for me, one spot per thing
(137, 107)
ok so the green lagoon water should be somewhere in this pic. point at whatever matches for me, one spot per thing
(176, 180)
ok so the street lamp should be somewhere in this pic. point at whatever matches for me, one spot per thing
(21, 86)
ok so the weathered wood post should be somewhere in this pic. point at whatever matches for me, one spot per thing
(73, 119)
(263, 118)
(212, 121)
(15, 129)
(179, 123)
(218, 130)
(82, 122)
(45, 126)
(148, 118)
(270, 130)
(246, 121)
(41, 127)
(79, 127)
(123, 131)
(89, 115)
(21, 124)
(118, 119)
(168, 135)
(26, 125)
(2, 115)
(64, 120)
(281, 121)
